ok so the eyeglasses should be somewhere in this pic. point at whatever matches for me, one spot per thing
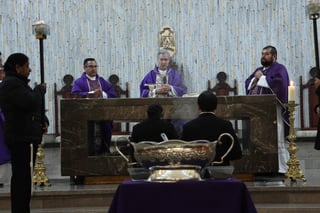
(92, 66)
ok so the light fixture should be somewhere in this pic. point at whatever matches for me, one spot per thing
(313, 10)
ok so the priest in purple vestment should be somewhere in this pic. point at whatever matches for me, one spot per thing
(162, 81)
(91, 85)
(272, 78)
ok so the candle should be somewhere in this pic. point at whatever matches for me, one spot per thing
(291, 89)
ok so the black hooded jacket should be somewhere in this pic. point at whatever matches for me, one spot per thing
(22, 108)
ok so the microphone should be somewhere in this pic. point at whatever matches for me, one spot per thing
(164, 136)
(254, 83)
(164, 79)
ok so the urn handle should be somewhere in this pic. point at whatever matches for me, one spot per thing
(117, 148)
(229, 149)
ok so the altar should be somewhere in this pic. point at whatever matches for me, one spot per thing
(258, 112)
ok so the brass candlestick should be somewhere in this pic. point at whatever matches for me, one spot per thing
(294, 173)
(40, 178)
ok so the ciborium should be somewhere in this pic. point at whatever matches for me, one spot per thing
(151, 88)
(174, 160)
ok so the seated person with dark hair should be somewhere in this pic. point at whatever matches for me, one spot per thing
(152, 128)
(207, 126)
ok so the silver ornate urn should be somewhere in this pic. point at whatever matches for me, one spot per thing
(174, 160)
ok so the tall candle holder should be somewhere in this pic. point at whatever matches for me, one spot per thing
(41, 30)
(293, 173)
(40, 178)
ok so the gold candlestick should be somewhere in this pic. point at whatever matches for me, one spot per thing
(40, 178)
(294, 173)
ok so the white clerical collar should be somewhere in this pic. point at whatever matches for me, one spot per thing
(162, 72)
(91, 78)
(207, 113)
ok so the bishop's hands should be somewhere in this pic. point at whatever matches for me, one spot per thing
(164, 89)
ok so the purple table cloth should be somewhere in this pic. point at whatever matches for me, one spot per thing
(214, 196)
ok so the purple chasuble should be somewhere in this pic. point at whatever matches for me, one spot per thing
(174, 79)
(102, 129)
(278, 81)
(94, 84)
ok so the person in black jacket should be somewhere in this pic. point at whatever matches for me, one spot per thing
(151, 128)
(22, 108)
(207, 126)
